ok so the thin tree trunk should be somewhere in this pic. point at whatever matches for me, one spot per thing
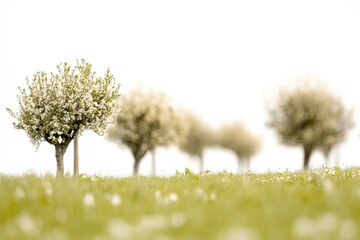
(247, 164)
(239, 165)
(307, 154)
(76, 155)
(153, 162)
(327, 160)
(201, 163)
(337, 158)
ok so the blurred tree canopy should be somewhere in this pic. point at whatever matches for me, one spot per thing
(197, 136)
(311, 117)
(145, 122)
(237, 138)
(56, 107)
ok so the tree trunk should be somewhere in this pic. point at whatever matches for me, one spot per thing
(76, 156)
(337, 158)
(327, 160)
(136, 167)
(239, 165)
(60, 150)
(138, 155)
(153, 162)
(247, 164)
(59, 154)
(307, 154)
(201, 163)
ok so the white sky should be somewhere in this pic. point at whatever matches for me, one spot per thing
(223, 60)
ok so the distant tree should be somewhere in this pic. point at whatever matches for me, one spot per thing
(146, 121)
(58, 106)
(311, 117)
(197, 137)
(239, 140)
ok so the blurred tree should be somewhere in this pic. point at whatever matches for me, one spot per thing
(311, 117)
(197, 136)
(238, 139)
(146, 121)
(58, 106)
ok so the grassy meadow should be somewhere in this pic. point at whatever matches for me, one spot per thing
(314, 204)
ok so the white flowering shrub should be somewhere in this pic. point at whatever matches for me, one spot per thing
(56, 106)
(145, 122)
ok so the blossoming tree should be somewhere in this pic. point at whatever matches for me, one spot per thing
(198, 136)
(236, 138)
(145, 122)
(56, 107)
(312, 117)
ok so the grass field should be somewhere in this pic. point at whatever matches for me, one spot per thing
(317, 204)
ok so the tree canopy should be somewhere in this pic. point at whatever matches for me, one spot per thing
(197, 136)
(235, 137)
(146, 121)
(56, 106)
(311, 117)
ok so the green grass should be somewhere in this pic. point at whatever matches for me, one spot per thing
(319, 204)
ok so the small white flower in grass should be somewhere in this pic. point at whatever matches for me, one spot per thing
(199, 191)
(212, 196)
(173, 197)
(157, 194)
(49, 191)
(201, 194)
(330, 171)
(303, 227)
(115, 200)
(89, 200)
(19, 193)
(27, 224)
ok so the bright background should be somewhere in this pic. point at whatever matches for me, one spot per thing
(223, 60)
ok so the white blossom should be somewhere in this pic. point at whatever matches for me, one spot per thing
(26, 224)
(89, 200)
(19, 193)
(114, 199)
(60, 103)
(173, 197)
